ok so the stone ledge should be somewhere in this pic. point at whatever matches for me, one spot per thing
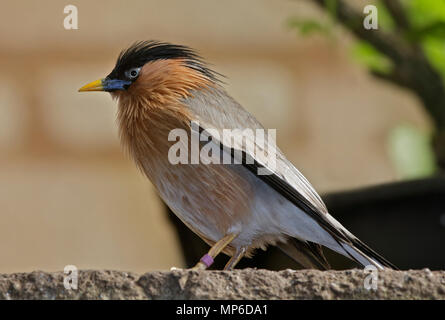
(238, 284)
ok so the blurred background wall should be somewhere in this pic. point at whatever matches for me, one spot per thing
(68, 195)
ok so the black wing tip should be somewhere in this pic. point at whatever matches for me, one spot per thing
(373, 254)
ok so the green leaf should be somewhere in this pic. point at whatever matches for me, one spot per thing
(308, 26)
(368, 56)
(435, 51)
(423, 13)
(411, 152)
(386, 21)
(434, 30)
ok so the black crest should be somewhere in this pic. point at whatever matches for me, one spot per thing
(145, 51)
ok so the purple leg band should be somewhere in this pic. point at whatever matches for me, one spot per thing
(207, 260)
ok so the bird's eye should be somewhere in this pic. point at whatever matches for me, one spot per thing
(132, 73)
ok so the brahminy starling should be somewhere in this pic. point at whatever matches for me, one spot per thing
(235, 206)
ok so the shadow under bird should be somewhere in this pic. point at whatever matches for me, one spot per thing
(161, 87)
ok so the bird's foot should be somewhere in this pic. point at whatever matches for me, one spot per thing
(199, 266)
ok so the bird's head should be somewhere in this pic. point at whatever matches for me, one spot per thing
(153, 69)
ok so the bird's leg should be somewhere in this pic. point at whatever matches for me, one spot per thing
(239, 254)
(207, 260)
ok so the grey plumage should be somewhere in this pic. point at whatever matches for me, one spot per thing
(217, 110)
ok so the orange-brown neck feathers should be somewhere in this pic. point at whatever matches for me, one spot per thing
(160, 87)
(155, 98)
(152, 106)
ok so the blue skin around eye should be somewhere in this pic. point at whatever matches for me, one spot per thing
(115, 84)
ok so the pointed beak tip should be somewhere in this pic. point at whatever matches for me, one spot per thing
(93, 86)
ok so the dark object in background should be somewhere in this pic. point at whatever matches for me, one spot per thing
(404, 221)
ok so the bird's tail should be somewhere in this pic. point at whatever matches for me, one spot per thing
(358, 251)
(352, 247)
(310, 254)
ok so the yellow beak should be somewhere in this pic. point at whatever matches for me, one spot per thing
(93, 86)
